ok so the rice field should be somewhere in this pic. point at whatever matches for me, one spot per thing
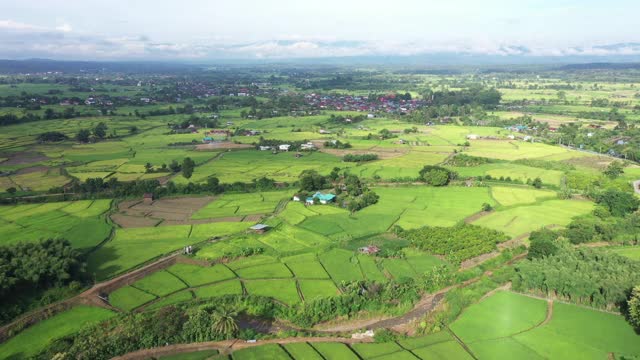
(230, 205)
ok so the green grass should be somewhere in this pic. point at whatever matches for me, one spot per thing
(232, 287)
(161, 283)
(301, 351)
(313, 289)
(241, 204)
(282, 290)
(500, 315)
(179, 297)
(269, 351)
(632, 252)
(523, 219)
(308, 270)
(267, 271)
(128, 298)
(398, 268)
(37, 337)
(508, 196)
(370, 268)
(424, 341)
(449, 350)
(342, 265)
(368, 351)
(400, 355)
(335, 351)
(195, 275)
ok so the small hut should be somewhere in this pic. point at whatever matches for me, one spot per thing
(259, 228)
(147, 198)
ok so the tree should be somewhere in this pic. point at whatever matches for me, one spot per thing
(633, 307)
(12, 190)
(175, 167)
(223, 321)
(188, 166)
(537, 183)
(83, 136)
(311, 180)
(436, 175)
(487, 207)
(614, 169)
(148, 167)
(100, 131)
(618, 202)
(542, 243)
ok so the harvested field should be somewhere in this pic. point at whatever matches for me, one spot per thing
(167, 212)
(222, 145)
(21, 158)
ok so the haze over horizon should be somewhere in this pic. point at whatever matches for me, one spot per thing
(199, 30)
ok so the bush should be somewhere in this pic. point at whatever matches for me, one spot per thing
(542, 243)
(436, 175)
(359, 158)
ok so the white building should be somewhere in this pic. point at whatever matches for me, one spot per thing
(284, 147)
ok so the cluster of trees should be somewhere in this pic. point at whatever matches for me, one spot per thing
(436, 175)
(464, 160)
(359, 158)
(339, 119)
(580, 275)
(383, 134)
(51, 136)
(99, 132)
(337, 144)
(28, 269)
(474, 95)
(456, 243)
(351, 192)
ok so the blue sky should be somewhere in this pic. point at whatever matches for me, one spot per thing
(253, 29)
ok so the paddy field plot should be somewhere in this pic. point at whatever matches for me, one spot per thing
(232, 287)
(302, 351)
(80, 222)
(313, 289)
(229, 205)
(269, 351)
(133, 246)
(335, 351)
(407, 206)
(195, 275)
(36, 338)
(513, 149)
(524, 219)
(511, 170)
(508, 196)
(514, 325)
(160, 283)
(176, 298)
(196, 355)
(281, 290)
(128, 298)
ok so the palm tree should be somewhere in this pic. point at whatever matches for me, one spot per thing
(223, 321)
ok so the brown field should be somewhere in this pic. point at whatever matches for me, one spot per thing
(172, 211)
(21, 158)
(224, 145)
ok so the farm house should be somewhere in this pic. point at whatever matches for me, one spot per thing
(259, 228)
(323, 198)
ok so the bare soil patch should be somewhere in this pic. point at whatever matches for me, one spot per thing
(222, 146)
(23, 157)
(172, 211)
(33, 169)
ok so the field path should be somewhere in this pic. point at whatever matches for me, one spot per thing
(227, 346)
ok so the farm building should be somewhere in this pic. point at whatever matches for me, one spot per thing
(473, 137)
(207, 139)
(259, 228)
(284, 147)
(296, 198)
(147, 198)
(323, 198)
(307, 146)
(369, 250)
(265, 148)
(323, 131)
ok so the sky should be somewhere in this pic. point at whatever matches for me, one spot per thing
(200, 30)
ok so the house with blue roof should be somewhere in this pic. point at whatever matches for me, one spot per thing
(323, 198)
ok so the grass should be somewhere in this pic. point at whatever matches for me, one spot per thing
(282, 290)
(370, 268)
(509, 196)
(161, 283)
(308, 270)
(342, 265)
(335, 351)
(523, 219)
(368, 351)
(632, 252)
(195, 275)
(179, 297)
(301, 351)
(128, 298)
(36, 338)
(313, 289)
(267, 271)
(449, 350)
(269, 351)
(241, 204)
(500, 315)
(232, 287)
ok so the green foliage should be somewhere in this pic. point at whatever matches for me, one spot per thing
(464, 160)
(456, 243)
(51, 136)
(542, 243)
(614, 169)
(633, 307)
(83, 135)
(580, 275)
(359, 158)
(188, 166)
(436, 175)
(618, 202)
